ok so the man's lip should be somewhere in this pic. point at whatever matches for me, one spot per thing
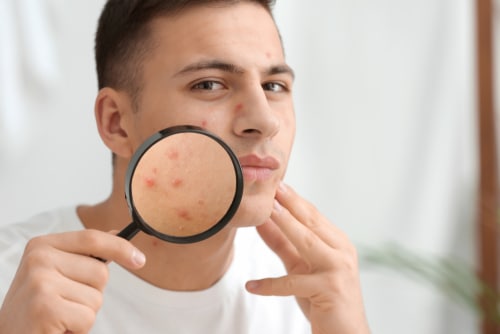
(253, 160)
(258, 169)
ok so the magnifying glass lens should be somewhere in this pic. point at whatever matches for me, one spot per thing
(183, 185)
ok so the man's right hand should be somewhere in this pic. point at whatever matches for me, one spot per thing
(58, 287)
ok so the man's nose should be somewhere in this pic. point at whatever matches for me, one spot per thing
(254, 116)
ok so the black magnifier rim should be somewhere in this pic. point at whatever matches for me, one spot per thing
(142, 224)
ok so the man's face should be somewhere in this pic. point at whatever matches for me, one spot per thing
(223, 69)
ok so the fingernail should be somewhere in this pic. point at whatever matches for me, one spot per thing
(138, 257)
(282, 187)
(253, 285)
(277, 206)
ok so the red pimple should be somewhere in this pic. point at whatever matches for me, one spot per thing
(177, 182)
(204, 123)
(184, 214)
(238, 107)
(201, 202)
(173, 154)
(149, 181)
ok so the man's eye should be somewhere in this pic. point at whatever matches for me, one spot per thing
(274, 87)
(208, 85)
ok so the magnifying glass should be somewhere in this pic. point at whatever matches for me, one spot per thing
(183, 185)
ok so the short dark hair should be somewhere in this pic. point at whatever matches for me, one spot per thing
(122, 39)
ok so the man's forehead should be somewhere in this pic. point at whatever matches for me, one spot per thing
(208, 30)
(198, 12)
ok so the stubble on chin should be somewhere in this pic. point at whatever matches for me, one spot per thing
(253, 213)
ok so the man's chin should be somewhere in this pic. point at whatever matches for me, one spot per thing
(252, 213)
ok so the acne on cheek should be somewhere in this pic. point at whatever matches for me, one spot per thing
(172, 154)
(177, 182)
(183, 214)
(238, 107)
(149, 181)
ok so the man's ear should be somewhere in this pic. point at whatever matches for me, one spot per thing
(111, 111)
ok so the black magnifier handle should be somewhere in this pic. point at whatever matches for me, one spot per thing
(130, 231)
(127, 233)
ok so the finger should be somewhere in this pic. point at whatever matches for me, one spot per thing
(83, 269)
(301, 286)
(40, 255)
(307, 214)
(62, 315)
(279, 244)
(80, 293)
(94, 243)
(77, 318)
(308, 244)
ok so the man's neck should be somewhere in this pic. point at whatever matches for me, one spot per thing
(186, 267)
(178, 267)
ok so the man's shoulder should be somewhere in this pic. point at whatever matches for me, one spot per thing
(57, 220)
(14, 236)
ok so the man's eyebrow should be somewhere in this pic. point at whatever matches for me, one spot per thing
(210, 65)
(279, 69)
(231, 68)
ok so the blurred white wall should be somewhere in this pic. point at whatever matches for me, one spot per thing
(386, 144)
(386, 140)
(50, 152)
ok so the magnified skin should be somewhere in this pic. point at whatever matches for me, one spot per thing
(183, 184)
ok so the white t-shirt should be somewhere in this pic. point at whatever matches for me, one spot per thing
(131, 305)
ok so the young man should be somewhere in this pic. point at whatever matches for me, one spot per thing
(219, 65)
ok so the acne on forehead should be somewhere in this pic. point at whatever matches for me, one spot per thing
(197, 35)
(223, 16)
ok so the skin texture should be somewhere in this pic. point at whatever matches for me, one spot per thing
(184, 184)
(228, 75)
